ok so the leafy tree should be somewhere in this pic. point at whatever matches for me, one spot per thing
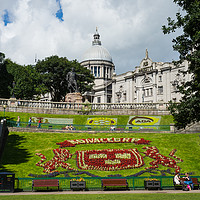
(25, 79)
(53, 71)
(5, 80)
(188, 46)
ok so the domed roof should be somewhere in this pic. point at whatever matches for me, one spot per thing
(96, 51)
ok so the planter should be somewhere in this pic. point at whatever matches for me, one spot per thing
(152, 184)
(77, 185)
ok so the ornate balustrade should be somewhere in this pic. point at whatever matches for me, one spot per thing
(81, 106)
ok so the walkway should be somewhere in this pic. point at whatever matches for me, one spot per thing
(103, 192)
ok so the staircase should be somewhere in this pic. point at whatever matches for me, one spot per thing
(192, 128)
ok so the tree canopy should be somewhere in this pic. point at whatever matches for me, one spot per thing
(6, 78)
(52, 76)
(188, 46)
(47, 76)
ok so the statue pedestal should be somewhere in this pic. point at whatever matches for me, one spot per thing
(12, 102)
(73, 98)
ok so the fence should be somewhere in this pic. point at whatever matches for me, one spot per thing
(94, 183)
(83, 106)
(153, 128)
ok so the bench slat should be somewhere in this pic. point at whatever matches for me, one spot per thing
(114, 182)
(45, 183)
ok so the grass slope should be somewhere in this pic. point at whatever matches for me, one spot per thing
(19, 155)
(78, 119)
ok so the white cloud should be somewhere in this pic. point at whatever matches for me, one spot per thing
(127, 28)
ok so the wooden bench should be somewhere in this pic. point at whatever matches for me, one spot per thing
(119, 129)
(194, 180)
(114, 183)
(45, 183)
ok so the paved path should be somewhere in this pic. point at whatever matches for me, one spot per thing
(102, 192)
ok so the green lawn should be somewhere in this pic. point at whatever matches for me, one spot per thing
(19, 155)
(78, 119)
(184, 196)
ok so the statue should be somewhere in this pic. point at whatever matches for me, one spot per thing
(74, 96)
(71, 78)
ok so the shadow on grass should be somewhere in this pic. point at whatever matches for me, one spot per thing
(13, 154)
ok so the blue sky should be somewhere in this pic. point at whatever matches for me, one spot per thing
(6, 15)
(6, 18)
(66, 27)
(59, 13)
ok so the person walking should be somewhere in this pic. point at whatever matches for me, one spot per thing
(18, 121)
(29, 122)
(39, 123)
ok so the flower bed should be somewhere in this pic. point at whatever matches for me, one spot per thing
(73, 143)
(109, 159)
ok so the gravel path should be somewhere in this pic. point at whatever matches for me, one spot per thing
(101, 192)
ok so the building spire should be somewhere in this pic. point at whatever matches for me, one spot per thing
(96, 40)
(146, 56)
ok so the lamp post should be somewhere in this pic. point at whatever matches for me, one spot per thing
(4, 107)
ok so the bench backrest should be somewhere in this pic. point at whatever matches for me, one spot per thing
(194, 180)
(45, 182)
(114, 181)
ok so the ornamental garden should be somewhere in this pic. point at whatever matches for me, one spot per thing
(70, 154)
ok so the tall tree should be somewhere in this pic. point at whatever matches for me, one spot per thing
(188, 46)
(6, 78)
(53, 71)
(25, 79)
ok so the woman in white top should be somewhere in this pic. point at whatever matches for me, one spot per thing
(177, 179)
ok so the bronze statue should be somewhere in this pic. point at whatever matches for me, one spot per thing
(71, 78)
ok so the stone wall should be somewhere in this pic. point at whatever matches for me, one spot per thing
(62, 111)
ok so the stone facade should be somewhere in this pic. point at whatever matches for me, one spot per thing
(151, 82)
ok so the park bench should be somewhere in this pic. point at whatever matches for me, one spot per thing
(45, 183)
(194, 180)
(119, 129)
(113, 183)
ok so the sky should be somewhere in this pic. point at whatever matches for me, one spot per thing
(32, 29)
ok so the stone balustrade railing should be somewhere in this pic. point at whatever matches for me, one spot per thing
(82, 106)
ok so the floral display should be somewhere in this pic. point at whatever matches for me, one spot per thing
(73, 143)
(143, 120)
(79, 180)
(61, 155)
(101, 121)
(151, 179)
(153, 152)
(109, 159)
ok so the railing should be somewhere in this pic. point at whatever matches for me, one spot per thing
(94, 183)
(82, 106)
(93, 128)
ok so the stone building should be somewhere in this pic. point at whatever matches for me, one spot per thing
(99, 61)
(150, 82)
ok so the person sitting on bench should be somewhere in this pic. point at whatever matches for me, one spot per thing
(188, 180)
(177, 179)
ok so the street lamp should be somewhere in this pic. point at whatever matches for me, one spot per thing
(4, 107)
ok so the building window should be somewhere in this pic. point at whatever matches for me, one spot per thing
(160, 78)
(95, 71)
(98, 71)
(91, 69)
(145, 63)
(98, 99)
(125, 97)
(151, 91)
(160, 89)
